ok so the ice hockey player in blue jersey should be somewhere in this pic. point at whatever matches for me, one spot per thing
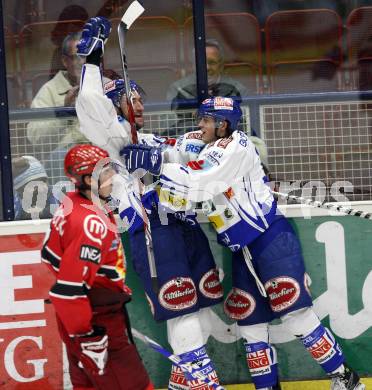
(268, 272)
(187, 276)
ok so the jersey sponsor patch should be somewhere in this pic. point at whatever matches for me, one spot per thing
(283, 292)
(323, 349)
(177, 380)
(193, 148)
(224, 142)
(211, 160)
(259, 362)
(216, 154)
(178, 294)
(90, 253)
(210, 285)
(94, 228)
(167, 197)
(239, 304)
(194, 135)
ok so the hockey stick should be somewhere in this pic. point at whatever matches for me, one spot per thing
(324, 205)
(133, 12)
(191, 368)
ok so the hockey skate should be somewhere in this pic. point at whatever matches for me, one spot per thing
(349, 380)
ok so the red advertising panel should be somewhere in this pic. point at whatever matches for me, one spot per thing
(31, 352)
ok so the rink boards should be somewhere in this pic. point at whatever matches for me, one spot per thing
(338, 256)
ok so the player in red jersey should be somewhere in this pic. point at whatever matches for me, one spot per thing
(84, 251)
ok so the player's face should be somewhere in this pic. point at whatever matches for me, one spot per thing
(207, 126)
(138, 109)
(211, 131)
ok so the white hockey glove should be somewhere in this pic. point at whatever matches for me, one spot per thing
(94, 355)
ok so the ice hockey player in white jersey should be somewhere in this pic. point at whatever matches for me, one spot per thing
(268, 272)
(186, 272)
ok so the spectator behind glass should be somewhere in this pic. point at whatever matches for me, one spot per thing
(219, 84)
(32, 195)
(53, 137)
(71, 12)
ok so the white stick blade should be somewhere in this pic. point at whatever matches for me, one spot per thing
(133, 12)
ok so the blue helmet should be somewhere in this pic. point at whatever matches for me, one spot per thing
(222, 109)
(115, 89)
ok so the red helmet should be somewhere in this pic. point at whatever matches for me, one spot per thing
(80, 160)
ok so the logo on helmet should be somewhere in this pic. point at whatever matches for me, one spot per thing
(221, 103)
(109, 86)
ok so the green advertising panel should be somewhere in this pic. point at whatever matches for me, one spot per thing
(338, 257)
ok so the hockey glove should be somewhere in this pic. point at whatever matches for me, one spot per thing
(93, 357)
(142, 157)
(94, 36)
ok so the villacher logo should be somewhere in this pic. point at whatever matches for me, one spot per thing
(210, 285)
(283, 292)
(239, 304)
(178, 294)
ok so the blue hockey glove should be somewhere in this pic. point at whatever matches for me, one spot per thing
(94, 36)
(142, 157)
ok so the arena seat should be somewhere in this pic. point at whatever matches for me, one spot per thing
(304, 51)
(153, 53)
(359, 46)
(239, 35)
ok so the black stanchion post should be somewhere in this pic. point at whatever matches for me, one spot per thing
(5, 158)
